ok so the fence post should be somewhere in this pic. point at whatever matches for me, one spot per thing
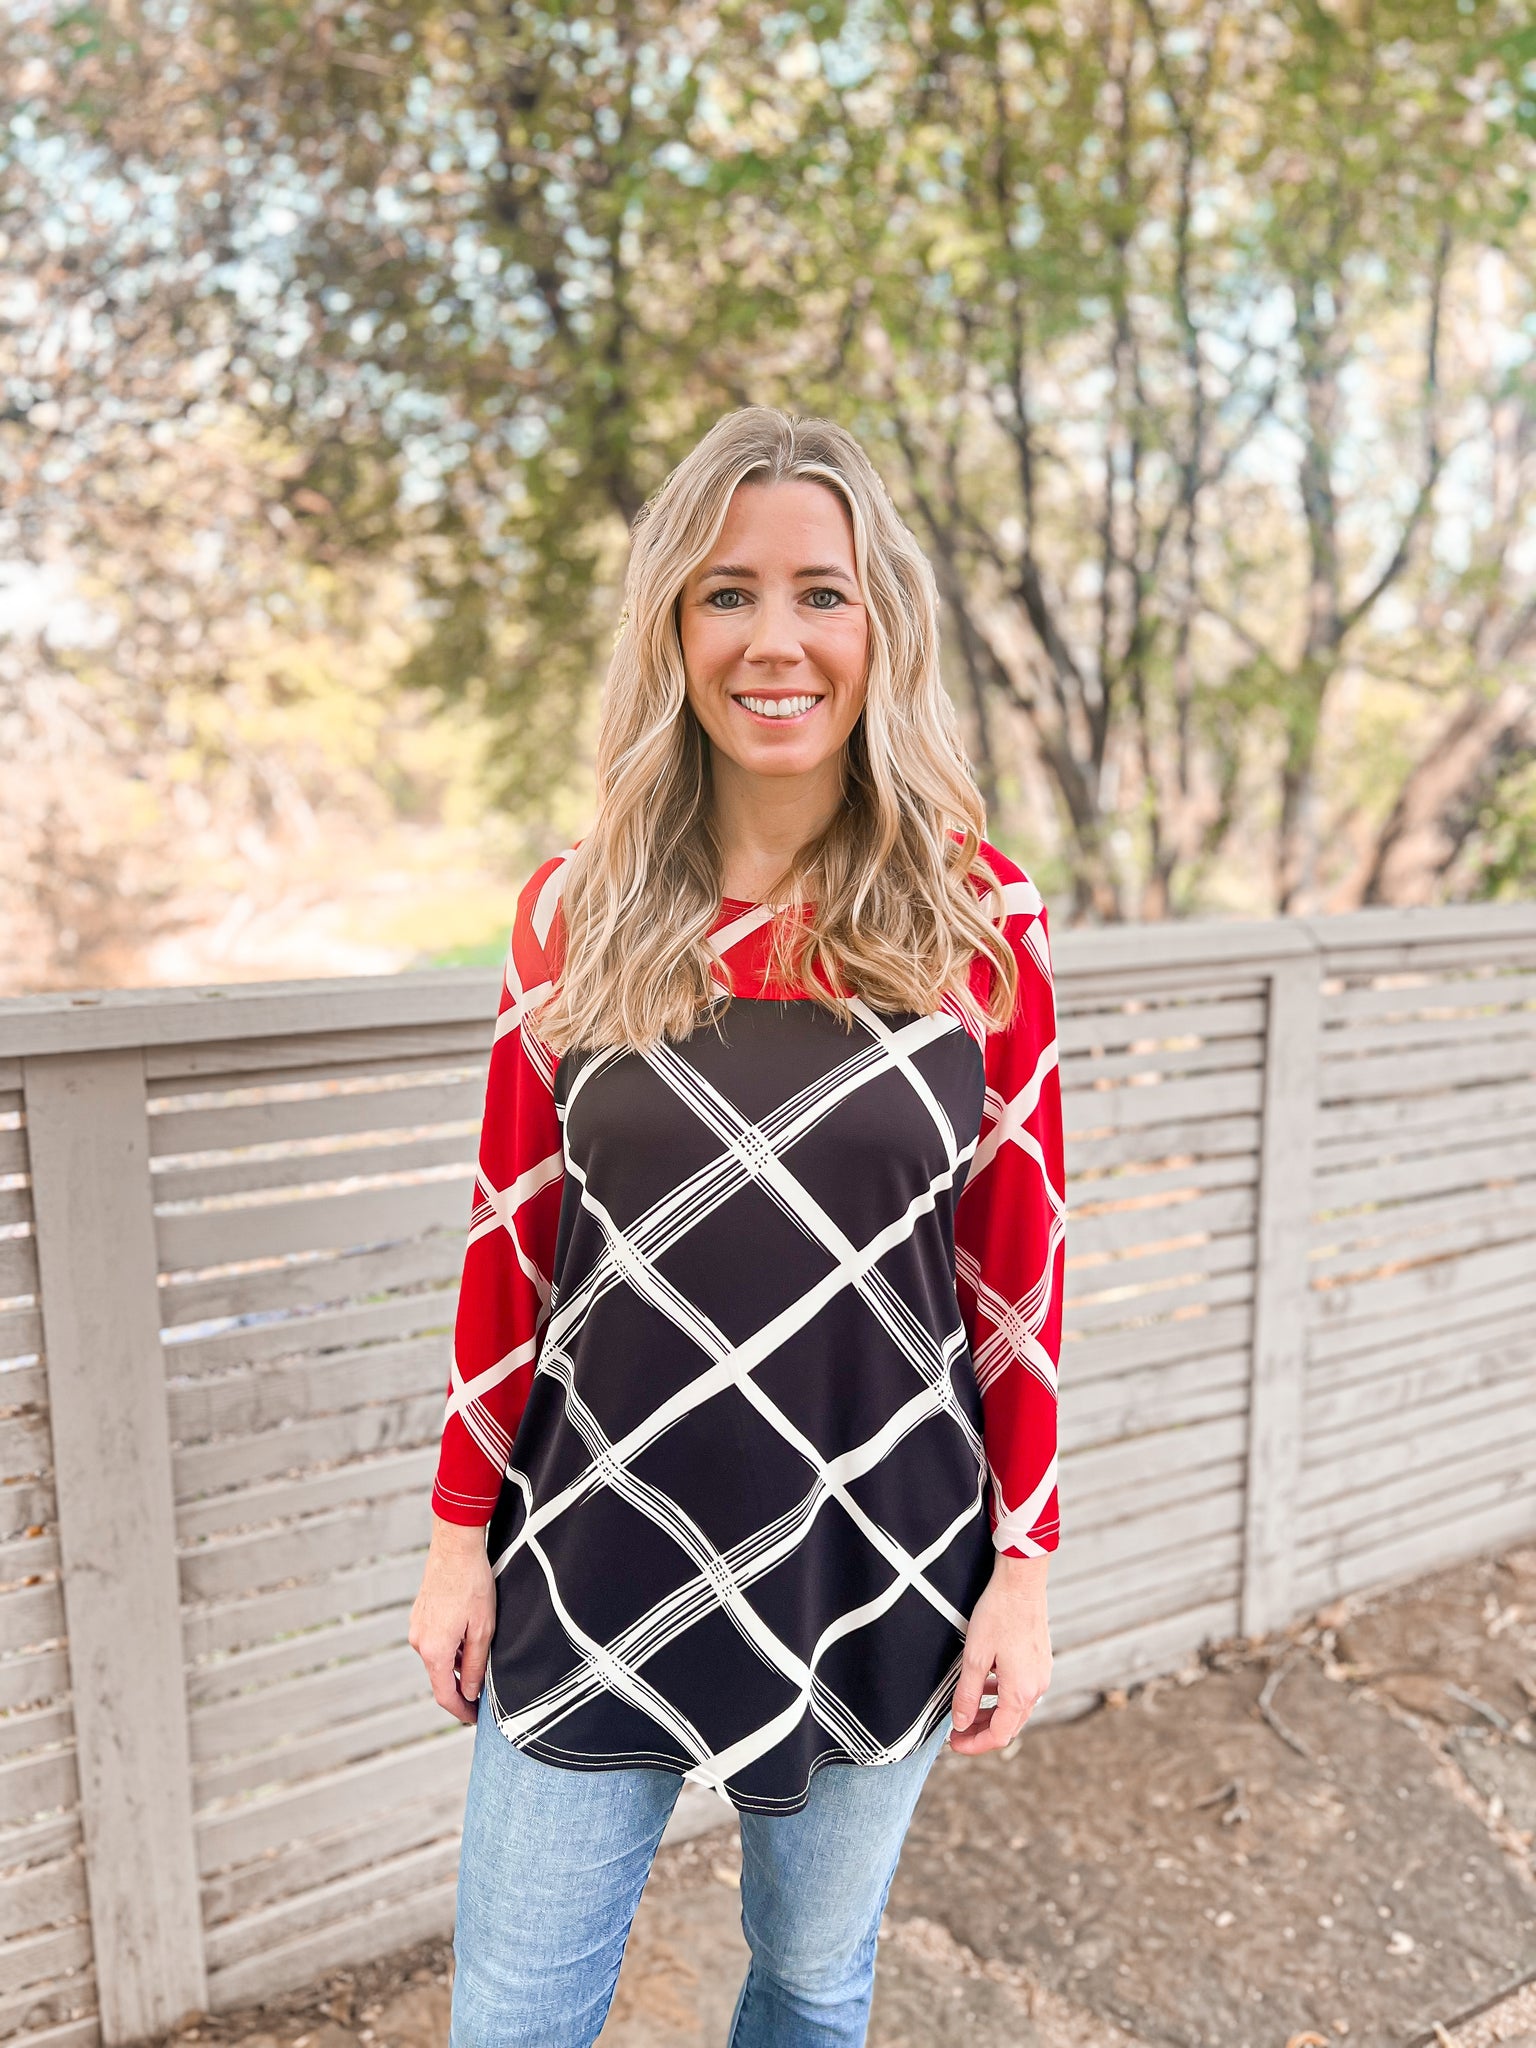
(1280, 1309)
(88, 1145)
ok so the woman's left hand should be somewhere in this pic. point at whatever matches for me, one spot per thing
(1007, 1651)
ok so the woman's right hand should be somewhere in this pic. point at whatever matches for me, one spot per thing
(454, 1617)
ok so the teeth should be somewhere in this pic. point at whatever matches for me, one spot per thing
(778, 707)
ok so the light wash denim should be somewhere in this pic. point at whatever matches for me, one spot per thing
(551, 1870)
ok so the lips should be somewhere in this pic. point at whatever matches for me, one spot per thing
(777, 708)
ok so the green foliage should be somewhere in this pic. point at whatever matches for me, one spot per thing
(1131, 302)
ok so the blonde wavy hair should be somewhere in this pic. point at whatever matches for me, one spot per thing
(891, 884)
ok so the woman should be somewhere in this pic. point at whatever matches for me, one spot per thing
(748, 1469)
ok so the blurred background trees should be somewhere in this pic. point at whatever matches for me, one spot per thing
(339, 343)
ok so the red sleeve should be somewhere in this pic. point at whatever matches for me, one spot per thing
(1010, 1229)
(509, 1260)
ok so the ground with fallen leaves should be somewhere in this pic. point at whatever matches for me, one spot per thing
(1320, 1838)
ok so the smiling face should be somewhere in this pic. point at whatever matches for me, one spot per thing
(774, 633)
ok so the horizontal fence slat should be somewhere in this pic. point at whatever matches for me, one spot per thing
(1436, 1286)
(1461, 993)
(1092, 1112)
(373, 1933)
(34, 1959)
(1228, 1211)
(1183, 1521)
(310, 1223)
(21, 1333)
(1127, 1656)
(239, 1062)
(1411, 1120)
(207, 1468)
(277, 1713)
(1390, 1392)
(32, 1679)
(1110, 1031)
(238, 1624)
(1116, 1465)
(1166, 1397)
(1127, 1310)
(1166, 1061)
(1389, 1178)
(283, 1285)
(437, 1766)
(31, 1616)
(342, 1743)
(1434, 1543)
(34, 1785)
(1483, 1225)
(1368, 1513)
(1421, 1441)
(1150, 1274)
(409, 1471)
(18, 1266)
(1340, 1355)
(34, 1728)
(310, 1170)
(271, 1396)
(42, 1895)
(399, 1877)
(50, 2013)
(309, 1331)
(1429, 1073)
(1151, 1596)
(1088, 1514)
(315, 1546)
(301, 1866)
(26, 1447)
(79, 2033)
(337, 1113)
(1088, 1358)
(1189, 1141)
(254, 1671)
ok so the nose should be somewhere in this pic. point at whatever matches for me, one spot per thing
(775, 637)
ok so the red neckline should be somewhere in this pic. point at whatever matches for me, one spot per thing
(747, 903)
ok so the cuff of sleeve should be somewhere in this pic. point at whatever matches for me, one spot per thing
(1039, 1542)
(458, 1508)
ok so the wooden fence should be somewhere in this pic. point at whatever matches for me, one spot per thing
(1300, 1359)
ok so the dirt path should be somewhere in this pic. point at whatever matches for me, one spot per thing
(1320, 1838)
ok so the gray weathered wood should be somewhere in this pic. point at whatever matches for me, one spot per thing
(419, 1917)
(229, 1127)
(402, 1471)
(254, 1620)
(298, 1333)
(89, 1149)
(293, 1284)
(373, 1838)
(289, 1123)
(270, 1664)
(323, 1749)
(1280, 1291)
(256, 1230)
(439, 1764)
(318, 1699)
(204, 1468)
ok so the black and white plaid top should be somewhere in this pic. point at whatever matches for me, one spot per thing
(755, 1364)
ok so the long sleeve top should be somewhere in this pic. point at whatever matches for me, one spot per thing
(755, 1361)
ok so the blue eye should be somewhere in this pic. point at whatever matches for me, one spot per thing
(826, 591)
(716, 595)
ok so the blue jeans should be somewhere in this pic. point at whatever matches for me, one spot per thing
(551, 1870)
